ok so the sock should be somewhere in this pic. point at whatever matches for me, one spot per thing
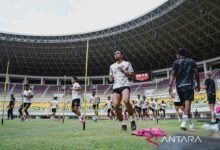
(190, 121)
(185, 117)
(132, 118)
(79, 117)
(213, 116)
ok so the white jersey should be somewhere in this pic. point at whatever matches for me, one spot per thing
(144, 106)
(176, 96)
(152, 104)
(138, 102)
(28, 93)
(94, 100)
(157, 106)
(163, 106)
(109, 104)
(120, 79)
(75, 94)
(54, 104)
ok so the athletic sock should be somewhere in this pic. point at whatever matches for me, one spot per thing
(185, 117)
(190, 121)
(131, 118)
(213, 116)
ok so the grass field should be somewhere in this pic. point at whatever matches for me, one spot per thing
(103, 135)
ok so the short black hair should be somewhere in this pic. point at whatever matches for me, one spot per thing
(75, 78)
(119, 51)
(26, 85)
(209, 74)
(55, 98)
(181, 51)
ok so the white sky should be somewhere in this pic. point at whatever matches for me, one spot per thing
(57, 17)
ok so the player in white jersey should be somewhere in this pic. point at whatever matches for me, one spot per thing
(157, 108)
(163, 106)
(54, 106)
(95, 100)
(152, 107)
(177, 104)
(108, 104)
(76, 88)
(119, 73)
(28, 95)
(138, 106)
(145, 108)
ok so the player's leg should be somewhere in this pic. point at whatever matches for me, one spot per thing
(96, 111)
(188, 96)
(108, 114)
(153, 113)
(177, 113)
(125, 98)
(212, 106)
(112, 114)
(20, 110)
(12, 116)
(211, 100)
(116, 102)
(116, 98)
(8, 113)
(26, 107)
(144, 113)
(164, 113)
(140, 114)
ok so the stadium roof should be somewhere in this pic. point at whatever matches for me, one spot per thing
(149, 42)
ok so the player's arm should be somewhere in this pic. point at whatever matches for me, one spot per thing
(111, 77)
(196, 76)
(172, 78)
(204, 86)
(31, 94)
(129, 72)
(77, 88)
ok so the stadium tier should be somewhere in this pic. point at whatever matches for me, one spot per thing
(45, 92)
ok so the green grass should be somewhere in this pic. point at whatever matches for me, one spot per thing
(103, 135)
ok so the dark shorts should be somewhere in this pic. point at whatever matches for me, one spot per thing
(186, 95)
(137, 109)
(95, 106)
(109, 110)
(144, 109)
(152, 109)
(177, 104)
(54, 110)
(161, 109)
(211, 98)
(27, 105)
(76, 102)
(119, 90)
(125, 112)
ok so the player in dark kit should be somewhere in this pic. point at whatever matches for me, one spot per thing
(211, 94)
(11, 107)
(183, 70)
